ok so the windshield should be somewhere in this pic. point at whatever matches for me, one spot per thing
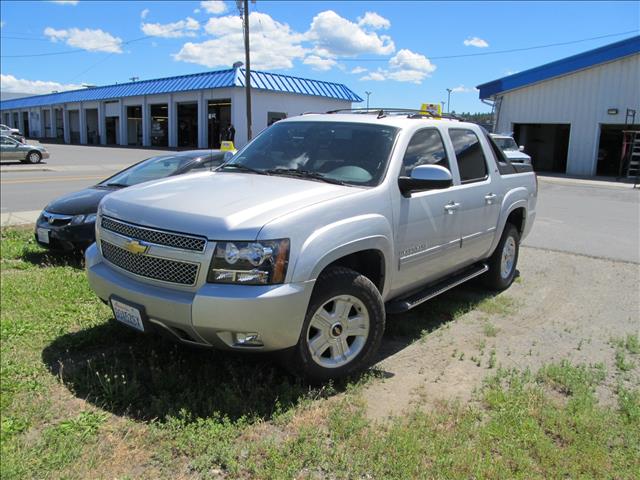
(150, 169)
(342, 152)
(506, 144)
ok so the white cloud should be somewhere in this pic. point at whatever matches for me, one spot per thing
(461, 89)
(358, 70)
(405, 66)
(373, 20)
(144, 13)
(2, 23)
(215, 7)
(65, 2)
(475, 42)
(334, 35)
(9, 83)
(273, 44)
(181, 28)
(319, 63)
(87, 39)
(407, 60)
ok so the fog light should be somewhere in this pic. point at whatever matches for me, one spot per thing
(247, 339)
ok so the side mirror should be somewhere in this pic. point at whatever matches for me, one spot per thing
(521, 148)
(425, 177)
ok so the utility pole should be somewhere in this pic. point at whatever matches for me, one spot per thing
(244, 7)
(368, 93)
(449, 100)
(442, 102)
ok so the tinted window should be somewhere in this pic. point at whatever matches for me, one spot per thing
(471, 161)
(150, 169)
(353, 153)
(425, 148)
(214, 160)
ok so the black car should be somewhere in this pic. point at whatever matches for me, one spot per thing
(68, 223)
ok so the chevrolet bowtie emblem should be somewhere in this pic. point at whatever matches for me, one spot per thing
(136, 247)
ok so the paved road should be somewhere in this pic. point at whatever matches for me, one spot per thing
(586, 217)
(70, 168)
(578, 217)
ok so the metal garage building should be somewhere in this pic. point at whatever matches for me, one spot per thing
(185, 111)
(570, 114)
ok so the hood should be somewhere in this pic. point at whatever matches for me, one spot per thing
(218, 205)
(516, 155)
(82, 202)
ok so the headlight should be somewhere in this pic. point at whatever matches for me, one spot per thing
(250, 263)
(78, 219)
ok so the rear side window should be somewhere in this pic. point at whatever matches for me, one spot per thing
(425, 148)
(471, 161)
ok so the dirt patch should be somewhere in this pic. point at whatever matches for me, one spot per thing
(563, 306)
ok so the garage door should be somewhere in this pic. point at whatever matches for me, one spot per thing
(546, 143)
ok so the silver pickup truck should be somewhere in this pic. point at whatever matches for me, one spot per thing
(309, 235)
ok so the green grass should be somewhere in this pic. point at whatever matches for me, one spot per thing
(81, 397)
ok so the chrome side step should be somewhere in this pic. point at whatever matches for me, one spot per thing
(406, 303)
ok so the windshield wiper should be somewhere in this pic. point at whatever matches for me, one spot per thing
(242, 168)
(118, 185)
(294, 172)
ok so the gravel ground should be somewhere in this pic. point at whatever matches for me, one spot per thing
(563, 306)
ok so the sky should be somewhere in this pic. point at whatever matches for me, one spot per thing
(394, 50)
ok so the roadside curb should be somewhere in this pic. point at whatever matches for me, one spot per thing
(584, 182)
(12, 219)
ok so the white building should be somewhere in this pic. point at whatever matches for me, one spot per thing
(188, 111)
(570, 114)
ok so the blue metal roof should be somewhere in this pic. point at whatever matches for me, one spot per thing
(567, 65)
(207, 80)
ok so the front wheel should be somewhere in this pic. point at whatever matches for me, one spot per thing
(34, 157)
(502, 264)
(343, 326)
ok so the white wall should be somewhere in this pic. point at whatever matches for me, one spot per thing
(262, 102)
(581, 99)
(265, 101)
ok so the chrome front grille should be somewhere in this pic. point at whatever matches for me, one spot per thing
(56, 219)
(156, 268)
(158, 237)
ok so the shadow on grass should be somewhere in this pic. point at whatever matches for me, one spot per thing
(147, 377)
(53, 258)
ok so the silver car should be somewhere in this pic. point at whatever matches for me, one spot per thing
(12, 150)
(311, 233)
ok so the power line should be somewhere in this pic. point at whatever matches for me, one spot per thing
(67, 52)
(497, 52)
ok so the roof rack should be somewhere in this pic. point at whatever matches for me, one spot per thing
(411, 113)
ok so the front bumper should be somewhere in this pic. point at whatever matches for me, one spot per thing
(214, 313)
(44, 154)
(67, 237)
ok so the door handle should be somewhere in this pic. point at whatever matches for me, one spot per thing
(451, 207)
(490, 197)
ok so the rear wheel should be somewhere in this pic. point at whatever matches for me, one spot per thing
(343, 326)
(503, 262)
(34, 157)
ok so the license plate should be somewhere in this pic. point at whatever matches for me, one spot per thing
(43, 235)
(127, 314)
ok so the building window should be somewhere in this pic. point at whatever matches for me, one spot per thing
(273, 117)
(160, 125)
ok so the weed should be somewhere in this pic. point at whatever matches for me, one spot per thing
(490, 330)
(621, 361)
(492, 359)
(500, 305)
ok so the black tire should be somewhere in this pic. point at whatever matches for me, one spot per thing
(332, 283)
(33, 156)
(495, 278)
